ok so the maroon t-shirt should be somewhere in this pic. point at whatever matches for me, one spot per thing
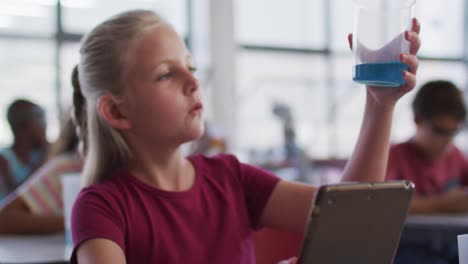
(209, 223)
(431, 177)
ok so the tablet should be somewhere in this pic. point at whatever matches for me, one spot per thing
(356, 223)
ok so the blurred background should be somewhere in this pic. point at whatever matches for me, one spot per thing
(252, 56)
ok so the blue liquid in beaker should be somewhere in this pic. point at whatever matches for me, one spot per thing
(388, 74)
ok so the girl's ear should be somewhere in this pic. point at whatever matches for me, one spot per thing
(110, 110)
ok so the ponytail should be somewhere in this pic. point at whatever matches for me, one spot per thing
(79, 110)
(101, 70)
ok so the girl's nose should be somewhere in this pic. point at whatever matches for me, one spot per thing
(192, 84)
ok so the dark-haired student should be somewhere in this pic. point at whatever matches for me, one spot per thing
(431, 160)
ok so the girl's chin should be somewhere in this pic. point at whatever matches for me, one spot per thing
(200, 131)
(196, 135)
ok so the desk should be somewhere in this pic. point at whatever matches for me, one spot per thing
(33, 249)
(434, 230)
(440, 221)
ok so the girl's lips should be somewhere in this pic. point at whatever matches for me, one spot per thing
(197, 108)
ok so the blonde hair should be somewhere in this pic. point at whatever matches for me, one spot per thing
(101, 70)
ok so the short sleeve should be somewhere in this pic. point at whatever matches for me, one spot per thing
(464, 176)
(258, 185)
(464, 167)
(95, 215)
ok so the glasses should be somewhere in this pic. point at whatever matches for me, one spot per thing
(443, 132)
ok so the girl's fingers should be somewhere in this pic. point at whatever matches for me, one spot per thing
(415, 41)
(416, 26)
(350, 41)
(409, 78)
(413, 36)
(410, 60)
(289, 261)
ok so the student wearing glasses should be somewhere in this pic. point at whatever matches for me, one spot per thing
(430, 159)
(436, 166)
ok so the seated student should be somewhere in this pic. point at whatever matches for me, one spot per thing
(429, 158)
(145, 202)
(436, 166)
(27, 122)
(36, 206)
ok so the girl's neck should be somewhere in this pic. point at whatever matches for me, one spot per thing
(169, 170)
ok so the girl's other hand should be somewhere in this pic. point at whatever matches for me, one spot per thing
(289, 261)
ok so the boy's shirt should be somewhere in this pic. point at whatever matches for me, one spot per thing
(431, 177)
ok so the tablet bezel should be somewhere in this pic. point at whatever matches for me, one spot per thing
(356, 223)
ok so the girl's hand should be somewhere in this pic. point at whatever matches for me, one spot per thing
(289, 261)
(385, 96)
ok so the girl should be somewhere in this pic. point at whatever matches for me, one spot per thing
(138, 101)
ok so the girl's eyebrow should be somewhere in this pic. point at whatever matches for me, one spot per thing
(188, 58)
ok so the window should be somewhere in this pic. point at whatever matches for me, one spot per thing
(37, 68)
(19, 17)
(265, 78)
(80, 16)
(327, 105)
(29, 74)
(443, 32)
(294, 23)
(341, 24)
